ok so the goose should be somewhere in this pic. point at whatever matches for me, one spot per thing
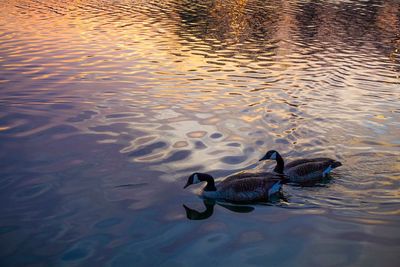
(302, 170)
(242, 187)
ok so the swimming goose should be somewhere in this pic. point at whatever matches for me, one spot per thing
(302, 170)
(239, 187)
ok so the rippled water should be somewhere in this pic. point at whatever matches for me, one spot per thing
(107, 106)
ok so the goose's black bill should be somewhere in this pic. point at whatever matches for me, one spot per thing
(187, 184)
(336, 164)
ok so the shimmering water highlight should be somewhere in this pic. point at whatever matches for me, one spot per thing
(106, 107)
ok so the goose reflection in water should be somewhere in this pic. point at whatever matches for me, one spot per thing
(209, 204)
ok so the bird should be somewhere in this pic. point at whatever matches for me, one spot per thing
(242, 187)
(302, 170)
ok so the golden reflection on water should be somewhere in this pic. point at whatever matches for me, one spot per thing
(288, 74)
(103, 102)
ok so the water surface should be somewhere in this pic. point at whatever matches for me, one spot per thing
(106, 107)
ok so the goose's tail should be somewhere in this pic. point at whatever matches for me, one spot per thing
(336, 164)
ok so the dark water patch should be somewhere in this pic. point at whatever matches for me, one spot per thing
(200, 145)
(147, 149)
(233, 160)
(215, 135)
(282, 141)
(234, 144)
(177, 156)
(259, 142)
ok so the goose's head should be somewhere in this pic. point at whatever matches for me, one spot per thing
(198, 177)
(272, 154)
(193, 179)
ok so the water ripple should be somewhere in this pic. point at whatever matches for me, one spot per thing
(107, 107)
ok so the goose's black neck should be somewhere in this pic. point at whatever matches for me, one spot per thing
(210, 186)
(280, 164)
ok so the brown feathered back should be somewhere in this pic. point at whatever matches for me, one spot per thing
(302, 161)
(251, 174)
(309, 171)
(247, 189)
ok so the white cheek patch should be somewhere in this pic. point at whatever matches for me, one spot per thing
(196, 179)
(273, 156)
(327, 171)
(275, 188)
